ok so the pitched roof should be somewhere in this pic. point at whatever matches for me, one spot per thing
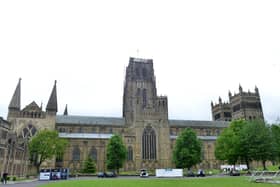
(89, 120)
(193, 123)
(15, 101)
(52, 103)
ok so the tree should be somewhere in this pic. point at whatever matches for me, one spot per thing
(228, 145)
(45, 145)
(275, 131)
(116, 153)
(256, 138)
(187, 151)
(89, 166)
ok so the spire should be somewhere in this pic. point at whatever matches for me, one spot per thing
(65, 111)
(212, 104)
(15, 101)
(52, 103)
(229, 93)
(240, 88)
(220, 100)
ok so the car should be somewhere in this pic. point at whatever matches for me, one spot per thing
(110, 174)
(234, 173)
(101, 174)
(144, 173)
(200, 173)
(190, 174)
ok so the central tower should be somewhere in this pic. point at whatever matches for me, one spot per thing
(147, 113)
(140, 98)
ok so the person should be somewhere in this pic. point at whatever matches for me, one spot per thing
(5, 176)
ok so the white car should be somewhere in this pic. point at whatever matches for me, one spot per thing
(144, 173)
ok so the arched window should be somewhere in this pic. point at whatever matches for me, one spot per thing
(29, 131)
(76, 153)
(93, 154)
(149, 149)
(129, 153)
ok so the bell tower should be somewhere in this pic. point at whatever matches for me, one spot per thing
(140, 92)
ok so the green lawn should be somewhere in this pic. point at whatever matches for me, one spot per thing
(154, 182)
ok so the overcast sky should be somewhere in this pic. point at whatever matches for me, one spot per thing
(201, 50)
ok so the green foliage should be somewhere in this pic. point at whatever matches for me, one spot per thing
(89, 166)
(45, 145)
(187, 151)
(14, 178)
(116, 153)
(275, 131)
(245, 141)
(182, 182)
(256, 139)
(228, 145)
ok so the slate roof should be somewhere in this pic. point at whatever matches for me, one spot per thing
(89, 120)
(193, 123)
(85, 135)
(115, 121)
(213, 138)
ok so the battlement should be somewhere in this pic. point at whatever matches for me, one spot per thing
(140, 60)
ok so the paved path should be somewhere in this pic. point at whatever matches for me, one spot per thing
(25, 183)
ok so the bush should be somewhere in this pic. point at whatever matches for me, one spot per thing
(8, 178)
(14, 178)
(89, 166)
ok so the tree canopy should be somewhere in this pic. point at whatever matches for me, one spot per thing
(45, 145)
(245, 141)
(116, 153)
(187, 151)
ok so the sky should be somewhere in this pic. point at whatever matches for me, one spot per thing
(201, 50)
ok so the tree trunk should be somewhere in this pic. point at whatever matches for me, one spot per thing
(248, 164)
(263, 163)
(38, 168)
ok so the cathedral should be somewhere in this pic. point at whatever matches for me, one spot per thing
(147, 132)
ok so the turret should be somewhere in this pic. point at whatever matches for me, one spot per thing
(240, 89)
(256, 90)
(65, 113)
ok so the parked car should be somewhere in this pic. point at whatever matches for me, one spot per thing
(200, 173)
(144, 173)
(106, 174)
(110, 174)
(234, 173)
(190, 174)
(101, 174)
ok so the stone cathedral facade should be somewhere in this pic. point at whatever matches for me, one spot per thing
(147, 132)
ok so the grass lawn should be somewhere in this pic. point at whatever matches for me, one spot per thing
(154, 182)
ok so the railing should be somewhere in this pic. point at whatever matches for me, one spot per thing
(265, 177)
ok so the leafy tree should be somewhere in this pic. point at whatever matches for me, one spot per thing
(45, 145)
(89, 166)
(256, 138)
(187, 151)
(116, 153)
(228, 145)
(275, 131)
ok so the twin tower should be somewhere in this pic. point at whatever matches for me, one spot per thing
(243, 105)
